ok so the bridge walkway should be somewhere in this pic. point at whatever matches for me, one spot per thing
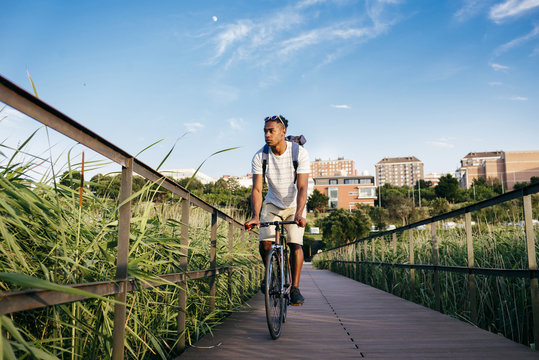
(342, 318)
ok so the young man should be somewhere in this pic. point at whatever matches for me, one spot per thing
(286, 197)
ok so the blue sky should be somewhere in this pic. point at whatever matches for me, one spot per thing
(360, 79)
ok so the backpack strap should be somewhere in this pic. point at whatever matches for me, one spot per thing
(295, 156)
(265, 155)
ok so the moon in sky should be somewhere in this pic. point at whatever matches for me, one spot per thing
(214, 18)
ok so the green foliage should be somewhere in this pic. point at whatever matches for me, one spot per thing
(448, 188)
(379, 216)
(71, 179)
(48, 241)
(439, 206)
(317, 201)
(342, 226)
(223, 193)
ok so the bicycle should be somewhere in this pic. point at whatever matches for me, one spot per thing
(277, 280)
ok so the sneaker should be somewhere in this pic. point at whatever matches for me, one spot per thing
(296, 298)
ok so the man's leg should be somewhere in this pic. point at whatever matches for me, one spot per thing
(264, 248)
(296, 262)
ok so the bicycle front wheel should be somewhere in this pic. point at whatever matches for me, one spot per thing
(273, 296)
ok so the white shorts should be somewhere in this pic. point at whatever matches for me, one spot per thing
(271, 212)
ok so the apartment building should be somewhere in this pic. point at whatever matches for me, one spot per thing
(399, 171)
(509, 167)
(345, 192)
(339, 167)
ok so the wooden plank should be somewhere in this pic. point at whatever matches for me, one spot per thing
(342, 318)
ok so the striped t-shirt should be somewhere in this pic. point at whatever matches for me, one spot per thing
(282, 191)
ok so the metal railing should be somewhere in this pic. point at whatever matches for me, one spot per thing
(352, 254)
(11, 302)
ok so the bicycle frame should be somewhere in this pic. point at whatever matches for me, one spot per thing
(280, 246)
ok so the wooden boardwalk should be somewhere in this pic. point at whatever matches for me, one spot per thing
(342, 318)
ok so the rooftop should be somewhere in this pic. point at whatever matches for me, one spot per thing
(485, 154)
(389, 160)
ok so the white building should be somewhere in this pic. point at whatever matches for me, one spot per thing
(187, 173)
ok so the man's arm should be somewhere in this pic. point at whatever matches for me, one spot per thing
(302, 183)
(256, 199)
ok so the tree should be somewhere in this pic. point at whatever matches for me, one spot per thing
(71, 179)
(342, 226)
(317, 201)
(379, 216)
(520, 185)
(233, 185)
(439, 206)
(399, 207)
(447, 188)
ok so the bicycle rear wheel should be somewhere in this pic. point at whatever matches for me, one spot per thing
(286, 295)
(273, 297)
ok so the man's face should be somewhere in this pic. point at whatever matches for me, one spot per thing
(274, 132)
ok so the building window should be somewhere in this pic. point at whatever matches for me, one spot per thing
(351, 181)
(333, 194)
(365, 181)
(333, 181)
(366, 192)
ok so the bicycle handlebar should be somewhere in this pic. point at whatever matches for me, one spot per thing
(270, 223)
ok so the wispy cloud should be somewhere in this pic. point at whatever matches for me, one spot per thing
(443, 143)
(236, 123)
(346, 107)
(495, 83)
(519, 98)
(499, 67)
(194, 126)
(518, 41)
(469, 9)
(511, 8)
(292, 29)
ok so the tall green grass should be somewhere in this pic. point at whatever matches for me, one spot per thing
(45, 234)
(504, 303)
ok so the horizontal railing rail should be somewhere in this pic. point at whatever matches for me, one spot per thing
(352, 254)
(10, 302)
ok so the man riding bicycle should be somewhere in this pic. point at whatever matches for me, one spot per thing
(286, 197)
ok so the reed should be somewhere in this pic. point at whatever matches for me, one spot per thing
(504, 303)
(46, 234)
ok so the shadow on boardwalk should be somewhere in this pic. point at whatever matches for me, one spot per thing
(342, 318)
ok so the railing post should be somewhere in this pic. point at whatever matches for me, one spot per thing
(435, 260)
(230, 263)
(182, 293)
(411, 261)
(365, 257)
(532, 264)
(357, 253)
(242, 278)
(124, 229)
(350, 264)
(213, 259)
(471, 260)
(373, 250)
(394, 245)
(382, 248)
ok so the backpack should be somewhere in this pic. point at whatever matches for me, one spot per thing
(296, 141)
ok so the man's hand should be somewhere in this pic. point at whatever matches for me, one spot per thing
(254, 222)
(300, 220)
